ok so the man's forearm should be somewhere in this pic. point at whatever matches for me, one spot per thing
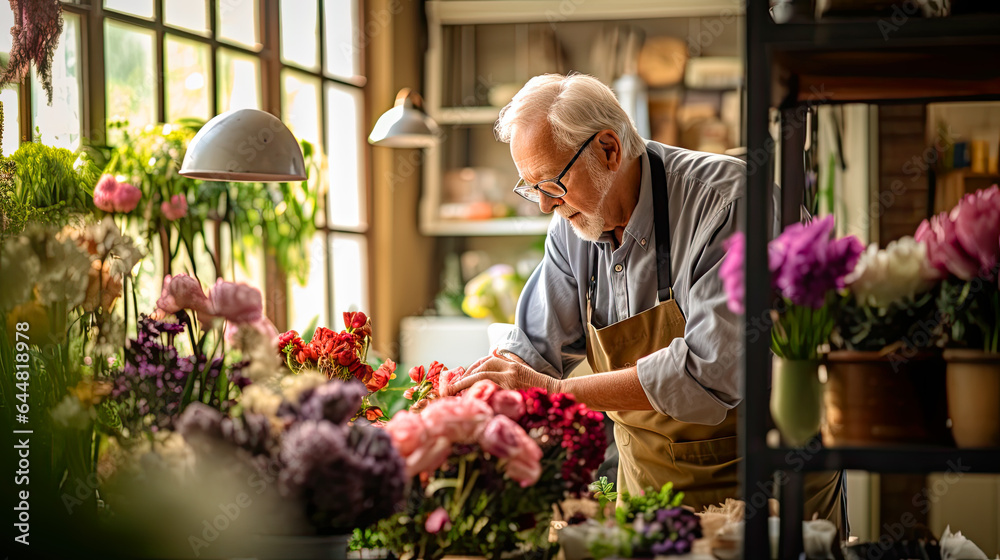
(614, 390)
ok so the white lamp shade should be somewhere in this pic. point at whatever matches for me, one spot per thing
(244, 145)
(405, 125)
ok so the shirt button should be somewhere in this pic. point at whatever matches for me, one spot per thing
(642, 242)
(618, 268)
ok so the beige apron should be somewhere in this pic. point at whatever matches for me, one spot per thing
(701, 460)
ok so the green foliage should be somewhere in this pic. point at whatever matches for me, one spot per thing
(605, 494)
(368, 538)
(800, 331)
(39, 183)
(647, 503)
(867, 328)
(971, 310)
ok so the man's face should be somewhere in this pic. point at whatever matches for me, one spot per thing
(587, 182)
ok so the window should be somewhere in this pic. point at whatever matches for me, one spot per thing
(313, 86)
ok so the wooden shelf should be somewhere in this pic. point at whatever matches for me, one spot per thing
(459, 12)
(498, 226)
(877, 34)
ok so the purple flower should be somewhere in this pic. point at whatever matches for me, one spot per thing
(335, 401)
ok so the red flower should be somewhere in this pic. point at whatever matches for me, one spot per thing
(358, 323)
(380, 377)
(434, 374)
(417, 374)
(374, 413)
(408, 394)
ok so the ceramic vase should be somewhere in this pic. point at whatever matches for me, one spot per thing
(796, 399)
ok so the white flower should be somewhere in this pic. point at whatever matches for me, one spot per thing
(897, 273)
(70, 413)
(292, 386)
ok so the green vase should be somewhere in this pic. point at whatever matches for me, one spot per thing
(796, 399)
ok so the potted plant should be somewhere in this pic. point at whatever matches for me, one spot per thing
(807, 268)
(488, 466)
(964, 245)
(885, 381)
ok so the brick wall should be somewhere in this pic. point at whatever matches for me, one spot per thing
(903, 176)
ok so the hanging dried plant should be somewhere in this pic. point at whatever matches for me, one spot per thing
(37, 26)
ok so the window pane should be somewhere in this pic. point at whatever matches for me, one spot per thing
(238, 21)
(300, 106)
(340, 18)
(349, 255)
(310, 301)
(239, 81)
(131, 86)
(60, 123)
(347, 194)
(6, 22)
(186, 14)
(299, 31)
(11, 120)
(141, 8)
(188, 89)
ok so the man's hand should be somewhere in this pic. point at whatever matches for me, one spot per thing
(508, 371)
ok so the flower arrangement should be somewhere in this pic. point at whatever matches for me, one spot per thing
(489, 466)
(335, 474)
(889, 296)
(807, 268)
(341, 356)
(964, 246)
(646, 525)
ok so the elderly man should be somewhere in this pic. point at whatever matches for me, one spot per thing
(630, 282)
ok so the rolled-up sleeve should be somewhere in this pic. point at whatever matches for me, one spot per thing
(695, 379)
(548, 332)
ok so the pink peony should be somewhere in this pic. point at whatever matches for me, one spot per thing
(408, 432)
(238, 303)
(508, 403)
(429, 456)
(174, 209)
(437, 521)
(524, 472)
(944, 250)
(457, 419)
(505, 439)
(182, 292)
(126, 198)
(104, 193)
(977, 226)
(265, 330)
(482, 390)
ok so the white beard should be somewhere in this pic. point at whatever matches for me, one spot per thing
(586, 226)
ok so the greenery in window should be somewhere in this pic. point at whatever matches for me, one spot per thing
(176, 210)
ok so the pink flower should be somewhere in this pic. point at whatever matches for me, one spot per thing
(174, 209)
(508, 403)
(505, 439)
(429, 456)
(408, 432)
(104, 193)
(238, 303)
(126, 198)
(482, 390)
(944, 250)
(458, 419)
(263, 329)
(977, 225)
(437, 521)
(182, 292)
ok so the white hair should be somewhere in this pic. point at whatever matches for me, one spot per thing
(576, 106)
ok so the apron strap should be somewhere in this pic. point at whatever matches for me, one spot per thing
(661, 208)
(661, 221)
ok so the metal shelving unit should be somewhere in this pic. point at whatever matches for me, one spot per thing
(837, 61)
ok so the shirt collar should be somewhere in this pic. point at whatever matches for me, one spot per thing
(640, 224)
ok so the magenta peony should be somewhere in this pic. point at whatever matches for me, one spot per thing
(175, 208)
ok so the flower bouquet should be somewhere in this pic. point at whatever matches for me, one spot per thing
(341, 356)
(807, 268)
(964, 245)
(489, 466)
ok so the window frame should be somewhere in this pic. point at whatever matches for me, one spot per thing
(93, 119)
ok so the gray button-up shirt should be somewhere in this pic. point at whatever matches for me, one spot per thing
(695, 379)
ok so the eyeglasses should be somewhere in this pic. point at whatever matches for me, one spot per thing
(552, 188)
